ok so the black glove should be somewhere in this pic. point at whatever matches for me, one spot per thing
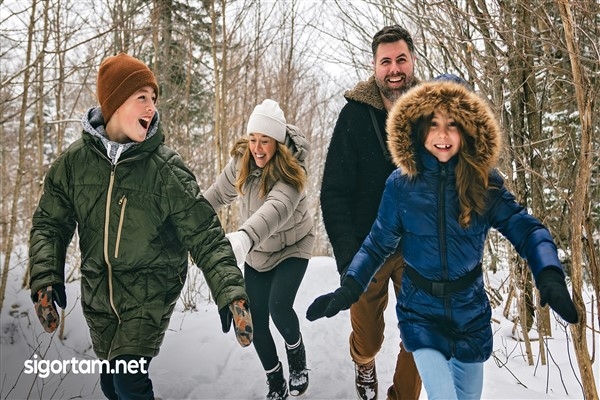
(330, 304)
(226, 318)
(239, 313)
(553, 291)
(45, 301)
(343, 273)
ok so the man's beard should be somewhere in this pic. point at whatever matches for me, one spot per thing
(394, 94)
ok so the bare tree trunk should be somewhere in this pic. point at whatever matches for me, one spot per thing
(218, 53)
(593, 259)
(60, 83)
(40, 126)
(4, 180)
(525, 311)
(218, 50)
(14, 214)
(585, 102)
(534, 135)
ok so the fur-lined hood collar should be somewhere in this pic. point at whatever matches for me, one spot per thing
(466, 107)
(366, 92)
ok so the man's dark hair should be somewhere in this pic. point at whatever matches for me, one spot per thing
(390, 34)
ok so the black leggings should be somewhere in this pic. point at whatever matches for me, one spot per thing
(273, 293)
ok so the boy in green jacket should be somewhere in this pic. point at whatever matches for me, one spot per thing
(138, 211)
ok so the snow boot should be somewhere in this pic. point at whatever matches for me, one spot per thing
(277, 386)
(298, 372)
(366, 380)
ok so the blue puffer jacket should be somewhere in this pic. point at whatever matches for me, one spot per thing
(419, 211)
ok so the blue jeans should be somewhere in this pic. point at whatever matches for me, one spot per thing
(448, 379)
(121, 385)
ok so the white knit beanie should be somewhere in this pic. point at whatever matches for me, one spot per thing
(268, 119)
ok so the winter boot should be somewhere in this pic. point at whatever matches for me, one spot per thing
(366, 380)
(296, 356)
(277, 387)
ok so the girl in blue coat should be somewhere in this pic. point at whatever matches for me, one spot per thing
(439, 206)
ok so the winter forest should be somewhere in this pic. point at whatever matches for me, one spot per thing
(537, 61)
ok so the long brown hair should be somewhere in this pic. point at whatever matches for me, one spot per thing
(471, 175)
(282, 167)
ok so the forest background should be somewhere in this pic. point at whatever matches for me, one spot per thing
(536, 61)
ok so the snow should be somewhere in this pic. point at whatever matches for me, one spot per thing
(198, 361)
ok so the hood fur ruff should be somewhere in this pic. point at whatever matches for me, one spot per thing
(467, 108)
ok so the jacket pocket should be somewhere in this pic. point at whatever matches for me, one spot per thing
(123, 205)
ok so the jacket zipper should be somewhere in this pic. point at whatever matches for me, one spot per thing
(442, 219)
(442, 235)
(123, 204)
(106, 256)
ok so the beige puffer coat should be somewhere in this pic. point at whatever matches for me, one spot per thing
(279, 224)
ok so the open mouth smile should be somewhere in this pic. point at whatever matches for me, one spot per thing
(396, 79)
(144, 122)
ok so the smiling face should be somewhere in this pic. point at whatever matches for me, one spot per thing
(443, 138)
(131, 120)
(262, 147)
(394, 70)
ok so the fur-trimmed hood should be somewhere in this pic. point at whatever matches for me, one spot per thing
(467, 108)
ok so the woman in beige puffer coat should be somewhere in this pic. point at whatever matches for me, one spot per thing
(276, 238)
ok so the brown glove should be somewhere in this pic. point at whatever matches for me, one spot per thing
(45, 307)
(239, 313)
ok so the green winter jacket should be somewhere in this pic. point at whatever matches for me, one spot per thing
(136, 220)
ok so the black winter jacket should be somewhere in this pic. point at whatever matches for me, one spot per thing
(355, 171)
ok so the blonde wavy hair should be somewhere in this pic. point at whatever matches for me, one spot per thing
(282, 167)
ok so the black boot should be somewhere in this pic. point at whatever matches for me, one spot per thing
(277, 387)
(298, 371)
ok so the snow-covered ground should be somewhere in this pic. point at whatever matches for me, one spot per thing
(198, 361)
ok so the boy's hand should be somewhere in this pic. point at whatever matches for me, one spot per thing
(45, 301)
(553, 291)
(239, 313)
(330, 304)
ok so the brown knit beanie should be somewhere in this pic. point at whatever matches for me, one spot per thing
(119, 77)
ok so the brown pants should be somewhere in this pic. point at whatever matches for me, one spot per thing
(366, 317)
